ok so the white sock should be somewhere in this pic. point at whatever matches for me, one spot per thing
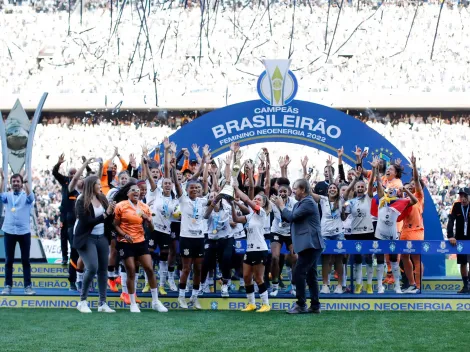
(251, 297)
(380, 274)
(195, 292)
(242, 282)
(136, 281)
(132, 297)
(275, 287)
(146, 278)
(370, 273)
(124, 282)
(154, 292)
(111, 274)
(328, 280)
(163, 272)
(265, 297)
(396, 273)
(80, 277)
(182, 292)
(344, 281)
(171, 275)
(358, 272)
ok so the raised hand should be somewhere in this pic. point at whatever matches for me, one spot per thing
(62, 158)
(132, 161)
(413, 159)
(235, 147)
(195, 148)
(397, 161)
(375, 162)
(145, 150)
(186, 153)
(205, 150)
(166, 143)
(304, 161)
(357, 152)
(116, 151)
(282, 162)
(83, 159)
(287, 160)
(340, 152)
(173, 147)
(261, 168)
(207, 158)
(329, 161)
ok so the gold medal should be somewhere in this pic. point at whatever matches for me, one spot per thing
(214, 232)
(13, 209)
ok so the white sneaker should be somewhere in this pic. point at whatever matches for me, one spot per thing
(411, 289)
(398, 290)
(172, 285)
(194, 300)
(105, 309)
(274, 293)
(381, 289)
(135, 308)
(159, 307)
(325, 289)
(189, 287)
(224, 291)
(82, 307)
(338, 290)
(182, 302)
(206, 288)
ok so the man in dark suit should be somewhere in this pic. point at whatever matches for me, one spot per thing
(308, 243)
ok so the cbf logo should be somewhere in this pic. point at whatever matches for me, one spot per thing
(459, 247)
(426, 247)
(214, 305)
(277, 86)
(358, 246)
(392, 246)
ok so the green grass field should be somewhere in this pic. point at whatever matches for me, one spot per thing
(51, 330)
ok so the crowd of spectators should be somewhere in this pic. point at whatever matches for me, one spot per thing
(386, 48)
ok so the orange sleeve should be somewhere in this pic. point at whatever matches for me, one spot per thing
(104, 176)
(156, 157)
(123, 164)
(185, 165)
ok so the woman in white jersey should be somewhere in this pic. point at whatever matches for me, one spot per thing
(333, 214)
(256, 251)
(193, 226)
(358, 210)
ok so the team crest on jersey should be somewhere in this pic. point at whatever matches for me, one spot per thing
(276, 238)
(426, 246)
(443, 245)
(392, 246)
(409, 244)
(214, 305)
(151, 243)
(358, 246)
(375, 244)
(186, 251)
(121, 252)
(460, 247)
(339, 245)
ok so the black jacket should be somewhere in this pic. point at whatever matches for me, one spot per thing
(86, 223)
(458, 217)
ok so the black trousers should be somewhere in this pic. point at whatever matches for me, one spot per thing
(218, 249)
(73, 256)
(306, 271)
(64, 237)
(25, 246)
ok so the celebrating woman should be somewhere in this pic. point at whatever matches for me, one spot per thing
(256, 251)
(130, 216)
(92, 236)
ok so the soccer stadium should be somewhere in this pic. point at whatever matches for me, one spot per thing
(226, 175)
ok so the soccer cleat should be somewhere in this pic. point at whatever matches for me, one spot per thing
(159, 307)
(195, 301)
(264, 308)
(161, 291)
(146, 288)
(346, 289)
(463, 290)
(172, 285)
(112, 285)
(206, 288)
(125, 298)
(358, 289)
(338, 290)
(398, 290)
(249, 308)
(325, 289)
(82, 307)
(369, 289)
(224, 291)
(28, 290)
(274, 293)
(381, 289)
(138, 301)
(182, 303)
(118, 281)
(6, 290)
(104, 308)
(135, 308)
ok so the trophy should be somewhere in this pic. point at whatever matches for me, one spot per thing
(228, 191)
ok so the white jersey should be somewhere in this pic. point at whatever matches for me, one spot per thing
(387, 224)
(331, 223)
(219, 222)
(255, 231)
(267, 224)
(238, 231)
(193, 224)
(162, 210)
(347, 225)
(281, 227)
(359, 210)
(111, 193)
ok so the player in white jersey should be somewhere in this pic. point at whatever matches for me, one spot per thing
(193, 226)
(280, 235)
(333, 214)
(257, 249)
(358, 209)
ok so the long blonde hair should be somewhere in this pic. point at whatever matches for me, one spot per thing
(88, 192)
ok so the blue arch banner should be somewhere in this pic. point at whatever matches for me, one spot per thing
(307, 124)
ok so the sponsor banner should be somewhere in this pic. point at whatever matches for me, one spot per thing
(53, 251)
(359, 304)
(39, 269)
(381, 247)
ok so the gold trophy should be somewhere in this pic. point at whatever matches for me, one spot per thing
(228, 191)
